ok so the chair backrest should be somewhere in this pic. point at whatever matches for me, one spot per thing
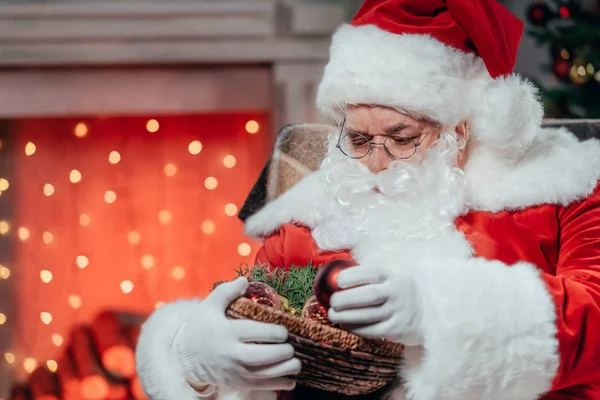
(300, 148)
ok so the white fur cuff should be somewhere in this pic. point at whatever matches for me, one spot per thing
(489, 333)
(300, 203)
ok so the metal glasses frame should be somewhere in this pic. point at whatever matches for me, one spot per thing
(372, 143)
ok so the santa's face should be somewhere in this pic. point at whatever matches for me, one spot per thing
(378, 136)
(381, 198)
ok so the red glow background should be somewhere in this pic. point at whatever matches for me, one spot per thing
(142, 190)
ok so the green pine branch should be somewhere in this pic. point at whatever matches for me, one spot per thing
(296, 284)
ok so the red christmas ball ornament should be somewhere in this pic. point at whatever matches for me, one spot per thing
(262, 293)
(315, 311)
(564, 12)
(539, 13)
(562, 68)
(326, 279)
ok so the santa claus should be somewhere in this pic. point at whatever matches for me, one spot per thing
(476, 231)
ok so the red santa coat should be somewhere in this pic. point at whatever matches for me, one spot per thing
(549, 233)
(517, 320)
(562, 242)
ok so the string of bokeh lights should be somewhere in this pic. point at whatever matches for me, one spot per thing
(147, 261)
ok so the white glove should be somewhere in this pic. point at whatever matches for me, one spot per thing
(214, 350)
(384, 305)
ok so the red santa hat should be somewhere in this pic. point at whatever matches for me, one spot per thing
(449, 60)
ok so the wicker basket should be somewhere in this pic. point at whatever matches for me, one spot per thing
(333, 360)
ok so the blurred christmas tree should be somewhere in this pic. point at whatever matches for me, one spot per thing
(571, 30)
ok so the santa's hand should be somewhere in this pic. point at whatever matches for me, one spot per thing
(377, 304)
(243, 354)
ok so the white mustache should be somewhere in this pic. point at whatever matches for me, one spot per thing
(399, 179)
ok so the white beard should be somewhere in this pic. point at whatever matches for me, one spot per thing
(416, 206)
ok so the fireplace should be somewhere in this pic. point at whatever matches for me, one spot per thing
(130, 137)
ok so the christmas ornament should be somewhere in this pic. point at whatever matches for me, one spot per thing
(539, 13)
(561, 69)
(315, 311)
(262, 293)
(326, 279)
(564, 12)
(563, 52)
(581, 72)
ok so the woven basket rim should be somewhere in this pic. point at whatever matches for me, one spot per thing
(319, 332)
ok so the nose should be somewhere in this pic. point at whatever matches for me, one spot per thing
(378, 160)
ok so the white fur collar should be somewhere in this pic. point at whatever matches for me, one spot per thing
(556, 169)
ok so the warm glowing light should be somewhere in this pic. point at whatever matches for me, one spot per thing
(46, 317)
(48, 189)
(590, 69)
(75, 301)
(244, 249)
(82, 261)
(47, 237)
(3, 184)
(114, 157)
(0, 143)
(9, 357)
(29, 149)
(252, 127)
(159, 304)
(29, 364)
(110, 196)
(96, 387)
(52, 365)
(45, 276)
(210, 183)
(208, 227)
(2, 319)
(84, 220)
(126, 286)
(170, 169)
(23, 233)
(178, 273)
(147, 261)
(75, 176)
(4, 227)
(164, 216)
(230, 209)
(133, 237)
(81, 129)
(152, 126)
(57, 340)
(229, 161)
(4, 272)
(195, 147)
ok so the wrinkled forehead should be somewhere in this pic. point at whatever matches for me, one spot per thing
(364, 118)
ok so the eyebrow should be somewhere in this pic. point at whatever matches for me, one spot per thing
(390, 130)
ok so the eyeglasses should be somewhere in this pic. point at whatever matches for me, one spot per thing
(399, 146)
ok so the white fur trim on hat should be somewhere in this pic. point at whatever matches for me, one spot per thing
(508, 114)
(421, 75)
